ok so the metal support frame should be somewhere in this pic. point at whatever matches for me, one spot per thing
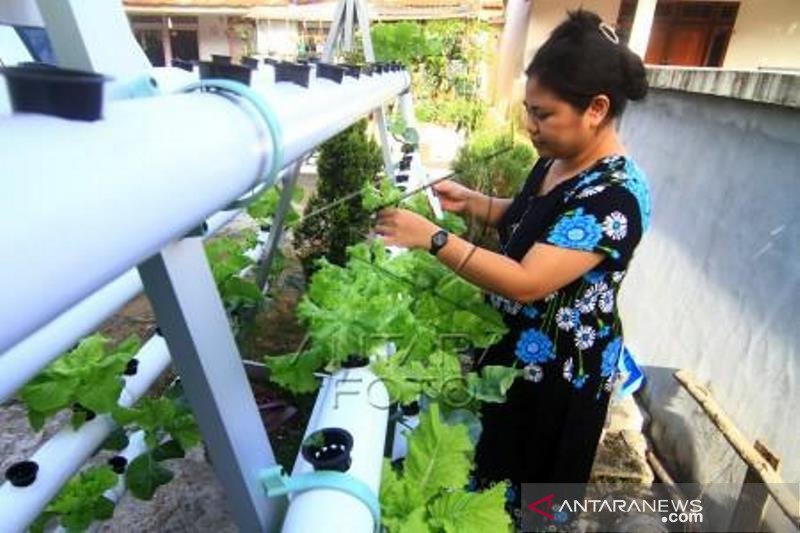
(341, 31)
(276, 229)
(179, 285)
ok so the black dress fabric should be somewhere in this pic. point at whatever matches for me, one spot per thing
(567, 344)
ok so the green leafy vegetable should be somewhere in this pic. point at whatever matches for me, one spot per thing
(89, 375)
(144, 475)
(429, 494)
(81, 501)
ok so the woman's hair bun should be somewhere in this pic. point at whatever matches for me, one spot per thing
(579, 23)
(583, 57)
(635, 75)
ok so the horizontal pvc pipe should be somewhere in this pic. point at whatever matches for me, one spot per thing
(64, 453)
(136, 187)
(356, 400)
(30, 356)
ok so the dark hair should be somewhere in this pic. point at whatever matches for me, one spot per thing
(580, 60)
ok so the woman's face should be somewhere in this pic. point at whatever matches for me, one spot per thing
(556, 128)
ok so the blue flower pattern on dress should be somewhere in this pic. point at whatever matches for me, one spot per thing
(575, 331)
(637, 184)
(610, 357)
(534, 347)
(578, 231)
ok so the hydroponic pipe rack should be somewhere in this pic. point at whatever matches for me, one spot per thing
(123, 188)
(96, 211)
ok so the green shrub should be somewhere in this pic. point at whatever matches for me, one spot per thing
(502, 175)
(346, 162)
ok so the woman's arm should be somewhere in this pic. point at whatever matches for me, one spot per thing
(543, 270)
(488, 209)
(459, 199)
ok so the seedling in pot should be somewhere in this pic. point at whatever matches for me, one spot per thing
(328, 449)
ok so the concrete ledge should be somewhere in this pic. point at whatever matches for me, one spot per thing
(769, 87)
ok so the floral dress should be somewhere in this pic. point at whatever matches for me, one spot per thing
(567, 344)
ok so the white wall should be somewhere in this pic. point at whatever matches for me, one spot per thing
(212, 36)
(277, 38)
(766, 34)
(547, 14)
(715, 285)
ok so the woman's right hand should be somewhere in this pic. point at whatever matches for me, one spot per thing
(454, 196)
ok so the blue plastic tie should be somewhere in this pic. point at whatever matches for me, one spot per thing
(277, 483)
(269, 117)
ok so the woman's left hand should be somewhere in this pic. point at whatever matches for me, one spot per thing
(400, 227)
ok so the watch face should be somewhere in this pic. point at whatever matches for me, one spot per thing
(440, 238)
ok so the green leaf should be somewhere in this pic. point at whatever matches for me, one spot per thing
(45, 394)
(414, 522)
(117, 440)
(439, 455)
(77, 505)
(294, 372)
(102, 394)
(90, 374)
(471, 512)
(103, 508)
(144, 475)
(492, 383)
(168, 450)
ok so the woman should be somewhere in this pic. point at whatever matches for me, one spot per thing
(566, 241)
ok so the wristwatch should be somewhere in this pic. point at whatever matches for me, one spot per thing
(438, 240)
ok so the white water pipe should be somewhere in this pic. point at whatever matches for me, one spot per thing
(64, 453)
(23, 361)
(136, 188)
(353, 399)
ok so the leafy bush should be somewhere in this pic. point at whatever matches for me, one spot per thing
(443, 58)
(346, 162)
(502, 175)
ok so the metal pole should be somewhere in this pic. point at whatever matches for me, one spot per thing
(380, 114)
(189, 311)
(276, 229)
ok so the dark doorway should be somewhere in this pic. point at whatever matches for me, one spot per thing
(152, 44)
(184, 45)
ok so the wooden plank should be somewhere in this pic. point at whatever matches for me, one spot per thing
(764, 471)
(753, 497)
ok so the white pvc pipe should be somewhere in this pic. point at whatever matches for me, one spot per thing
(27, 358)
(356, 400)
(64, 453)
(136, 188)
